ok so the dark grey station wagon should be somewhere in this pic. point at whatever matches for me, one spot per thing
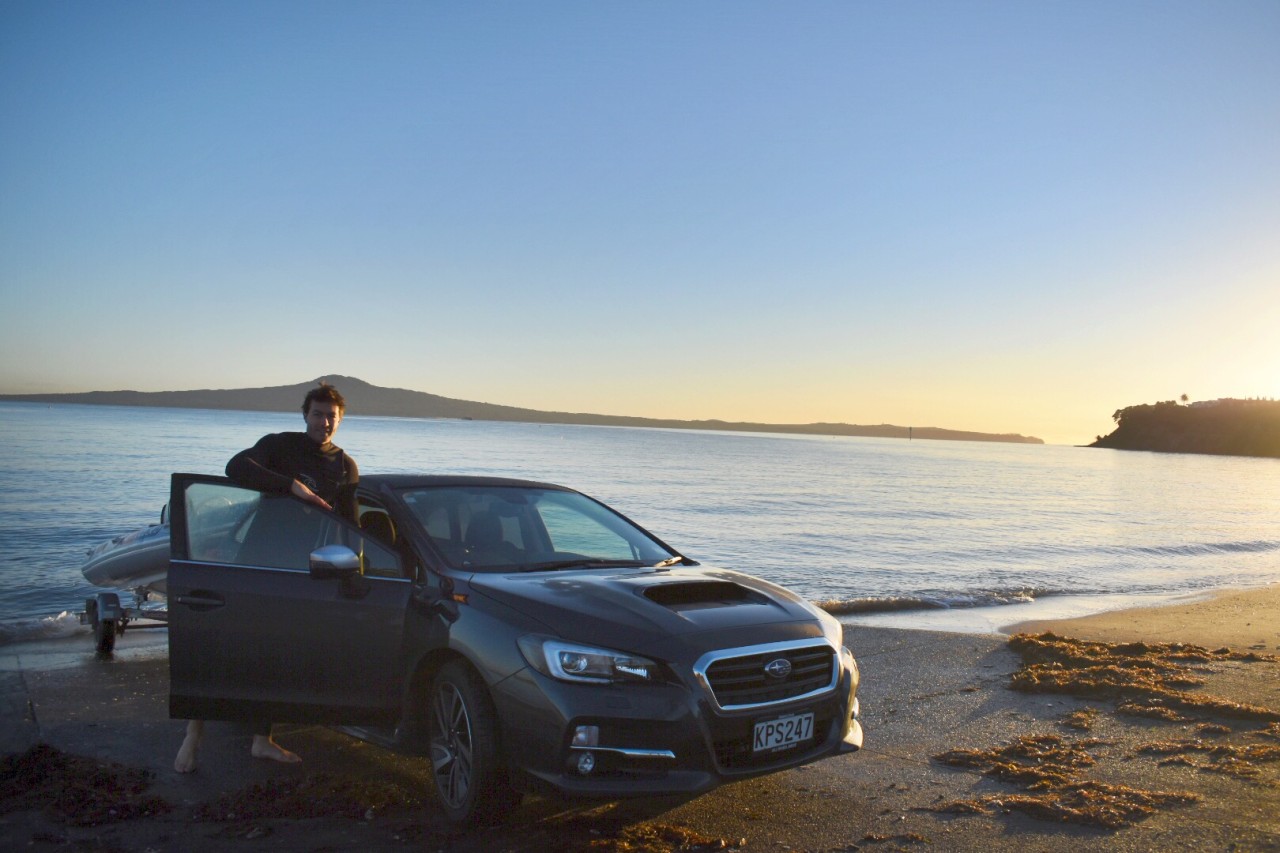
(521, 635)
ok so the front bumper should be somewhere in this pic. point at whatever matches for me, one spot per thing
(659, 739)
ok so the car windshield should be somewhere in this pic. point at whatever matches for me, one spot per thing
(506, 528)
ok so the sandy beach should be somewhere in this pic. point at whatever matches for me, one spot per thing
(1241, 619)
(974, 743)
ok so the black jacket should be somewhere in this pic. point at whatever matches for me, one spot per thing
(278, 459)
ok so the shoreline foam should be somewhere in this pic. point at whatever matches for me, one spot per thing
(993, 620)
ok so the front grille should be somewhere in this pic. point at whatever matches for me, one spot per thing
(737, 679)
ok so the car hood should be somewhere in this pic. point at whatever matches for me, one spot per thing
(646, 608)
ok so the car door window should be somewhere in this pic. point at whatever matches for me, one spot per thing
(384, 550)
(228, 524)
(380, 561)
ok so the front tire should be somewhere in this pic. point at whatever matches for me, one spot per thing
(466, 763)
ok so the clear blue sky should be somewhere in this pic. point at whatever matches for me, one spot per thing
(1001, 216)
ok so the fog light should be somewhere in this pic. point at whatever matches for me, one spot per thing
(586, 736)
(586, 763)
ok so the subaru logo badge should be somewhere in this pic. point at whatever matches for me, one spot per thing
(778, 668)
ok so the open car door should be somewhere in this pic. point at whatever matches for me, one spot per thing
(261, 626)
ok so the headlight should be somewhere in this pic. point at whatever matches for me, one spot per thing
(574, 662)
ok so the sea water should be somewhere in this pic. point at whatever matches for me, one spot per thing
(961, 535)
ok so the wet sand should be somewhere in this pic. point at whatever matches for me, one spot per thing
(926, 695)
(1241, 619)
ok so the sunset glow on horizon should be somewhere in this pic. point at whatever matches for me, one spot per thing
(989, 216)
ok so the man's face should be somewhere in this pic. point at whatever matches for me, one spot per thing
(322, 421)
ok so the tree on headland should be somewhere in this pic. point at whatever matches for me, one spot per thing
(1227, 427)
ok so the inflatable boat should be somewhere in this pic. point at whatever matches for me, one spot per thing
(140, 558)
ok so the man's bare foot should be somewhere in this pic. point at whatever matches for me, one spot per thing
(265, 747)
(186, 760)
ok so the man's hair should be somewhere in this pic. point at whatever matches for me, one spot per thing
(325, 393)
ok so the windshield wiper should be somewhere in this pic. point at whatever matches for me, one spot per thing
(670, 561)
(581, 564)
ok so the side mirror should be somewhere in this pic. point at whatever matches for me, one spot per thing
(334, 561)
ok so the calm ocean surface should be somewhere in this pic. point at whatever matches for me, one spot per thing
(959, 535)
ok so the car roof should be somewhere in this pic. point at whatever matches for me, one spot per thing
(412, 481)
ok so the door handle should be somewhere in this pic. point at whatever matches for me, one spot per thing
(201, 600)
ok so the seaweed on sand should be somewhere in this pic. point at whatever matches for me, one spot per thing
(1081, 719)
(1036, 761)
(1088, 803)
(1152, 678)
(1145, 679)
(609, 829)
(1048, 766)
(1153, 708)
(1239, 761)
(75, 790)
(901, 838)
(655, 838)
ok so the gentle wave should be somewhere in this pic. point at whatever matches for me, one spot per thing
(894, 604)
(1198, 548)
(65, 624)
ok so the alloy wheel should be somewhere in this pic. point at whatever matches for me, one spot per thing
(452, 745)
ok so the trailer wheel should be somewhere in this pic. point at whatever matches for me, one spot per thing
(104, 636)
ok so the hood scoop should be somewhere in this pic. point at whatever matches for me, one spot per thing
(702, 595)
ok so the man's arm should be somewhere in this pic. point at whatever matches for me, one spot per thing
(250, 468)
(254, 468)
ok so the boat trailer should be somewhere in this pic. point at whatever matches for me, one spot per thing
(108, 617)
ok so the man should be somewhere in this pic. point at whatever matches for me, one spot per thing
(311, 467)
(306, 464)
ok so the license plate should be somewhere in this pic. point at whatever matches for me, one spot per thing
(782, 733)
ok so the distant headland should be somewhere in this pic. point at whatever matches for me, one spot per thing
(1224, 427)
(366, 399)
